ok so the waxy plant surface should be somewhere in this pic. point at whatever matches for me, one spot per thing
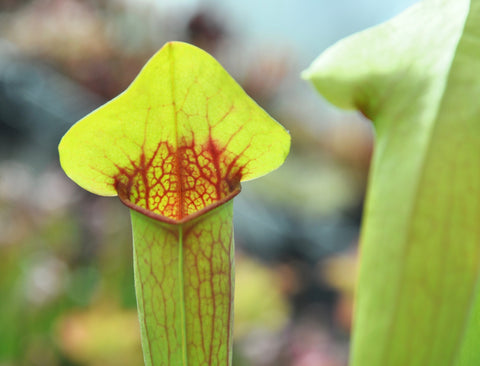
(174, 147)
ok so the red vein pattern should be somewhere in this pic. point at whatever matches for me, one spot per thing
(174, 147)
(186, 314)
(178, 182)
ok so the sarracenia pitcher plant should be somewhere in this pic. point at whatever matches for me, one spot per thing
(174, 147)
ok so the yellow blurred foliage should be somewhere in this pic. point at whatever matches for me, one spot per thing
(102, 336)
(259, 302)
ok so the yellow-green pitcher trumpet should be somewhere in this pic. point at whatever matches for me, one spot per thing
(174, 147)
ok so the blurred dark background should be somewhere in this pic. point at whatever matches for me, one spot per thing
(66, 278)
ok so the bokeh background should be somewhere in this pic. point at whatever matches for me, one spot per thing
(66, 278)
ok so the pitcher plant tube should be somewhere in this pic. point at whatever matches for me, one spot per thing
(174, 146)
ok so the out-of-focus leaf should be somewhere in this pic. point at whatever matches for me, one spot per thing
(101, 336)
(417, 78)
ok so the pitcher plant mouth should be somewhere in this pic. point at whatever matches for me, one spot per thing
(123, 195)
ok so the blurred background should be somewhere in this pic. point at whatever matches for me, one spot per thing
(66, 278)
